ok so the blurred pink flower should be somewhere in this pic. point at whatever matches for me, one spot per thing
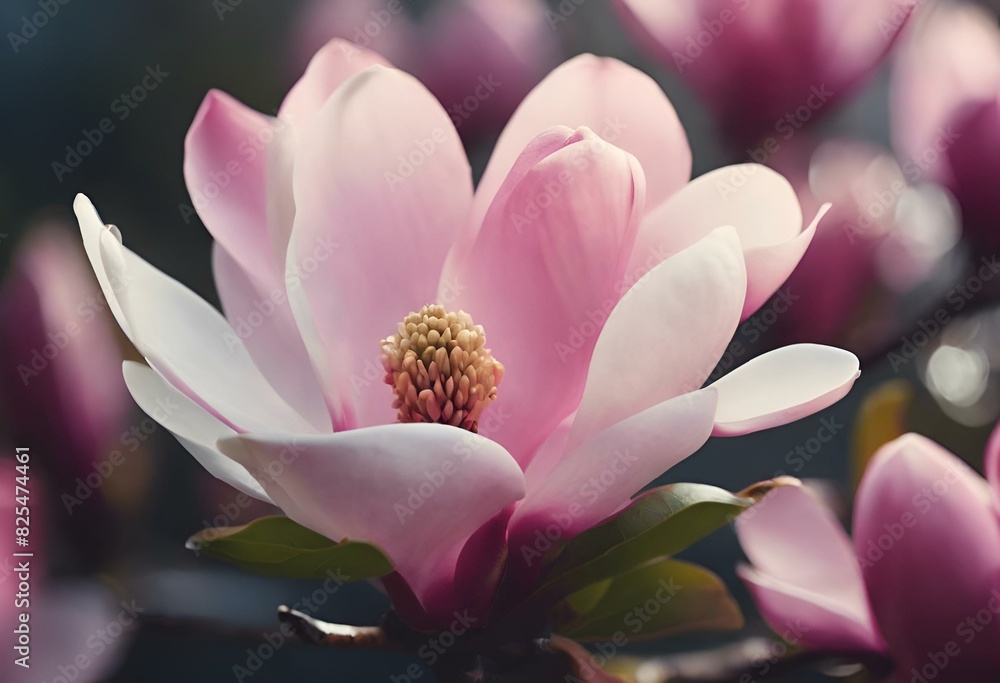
(58, 389)
(68, 621)
(607, 317)
(768, 67)
(478, 57)
(922, 580)
(56, 333)
(945, 110)
(881, 237)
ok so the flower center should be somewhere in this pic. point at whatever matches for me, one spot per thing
(439, 368)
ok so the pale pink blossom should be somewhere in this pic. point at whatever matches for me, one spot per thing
(606, 284)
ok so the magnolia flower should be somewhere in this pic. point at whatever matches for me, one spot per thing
(945, 110)
(478, 57)
(58, 389)
(56, 333)
(768, 67)
(881, 238)
(921, 582)
(434, 370)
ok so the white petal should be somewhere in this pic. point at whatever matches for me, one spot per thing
(418, 491)
(782, 386)
(190, 424)
(666, 335)
(183, 337)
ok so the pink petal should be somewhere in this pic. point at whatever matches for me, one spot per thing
(237, 162)
(621, 104)
(381, 190)
(418, 491)
(226, 154)
(330, 67)
(804, 574)
(258, 309)
(545, 270)
(809, 620)
(666, 335)
(929, 547)
(991, 464)
(595, 479)
(949, 61)
(191, 425)
(782, 386)
(181, 335)
(758, 202)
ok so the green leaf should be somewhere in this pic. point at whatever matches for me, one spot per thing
(277, 546)
(661, 598)
(659, 523)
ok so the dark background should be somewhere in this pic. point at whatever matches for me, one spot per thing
(63, 82)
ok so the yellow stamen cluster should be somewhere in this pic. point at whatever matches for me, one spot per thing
(439, 368)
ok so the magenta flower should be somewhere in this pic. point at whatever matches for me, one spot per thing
(945, 107)
(62, 365)
(921, 582)
(768, 67)
(56, 333)
(548, 311)
(478, 57)
(881, 237)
